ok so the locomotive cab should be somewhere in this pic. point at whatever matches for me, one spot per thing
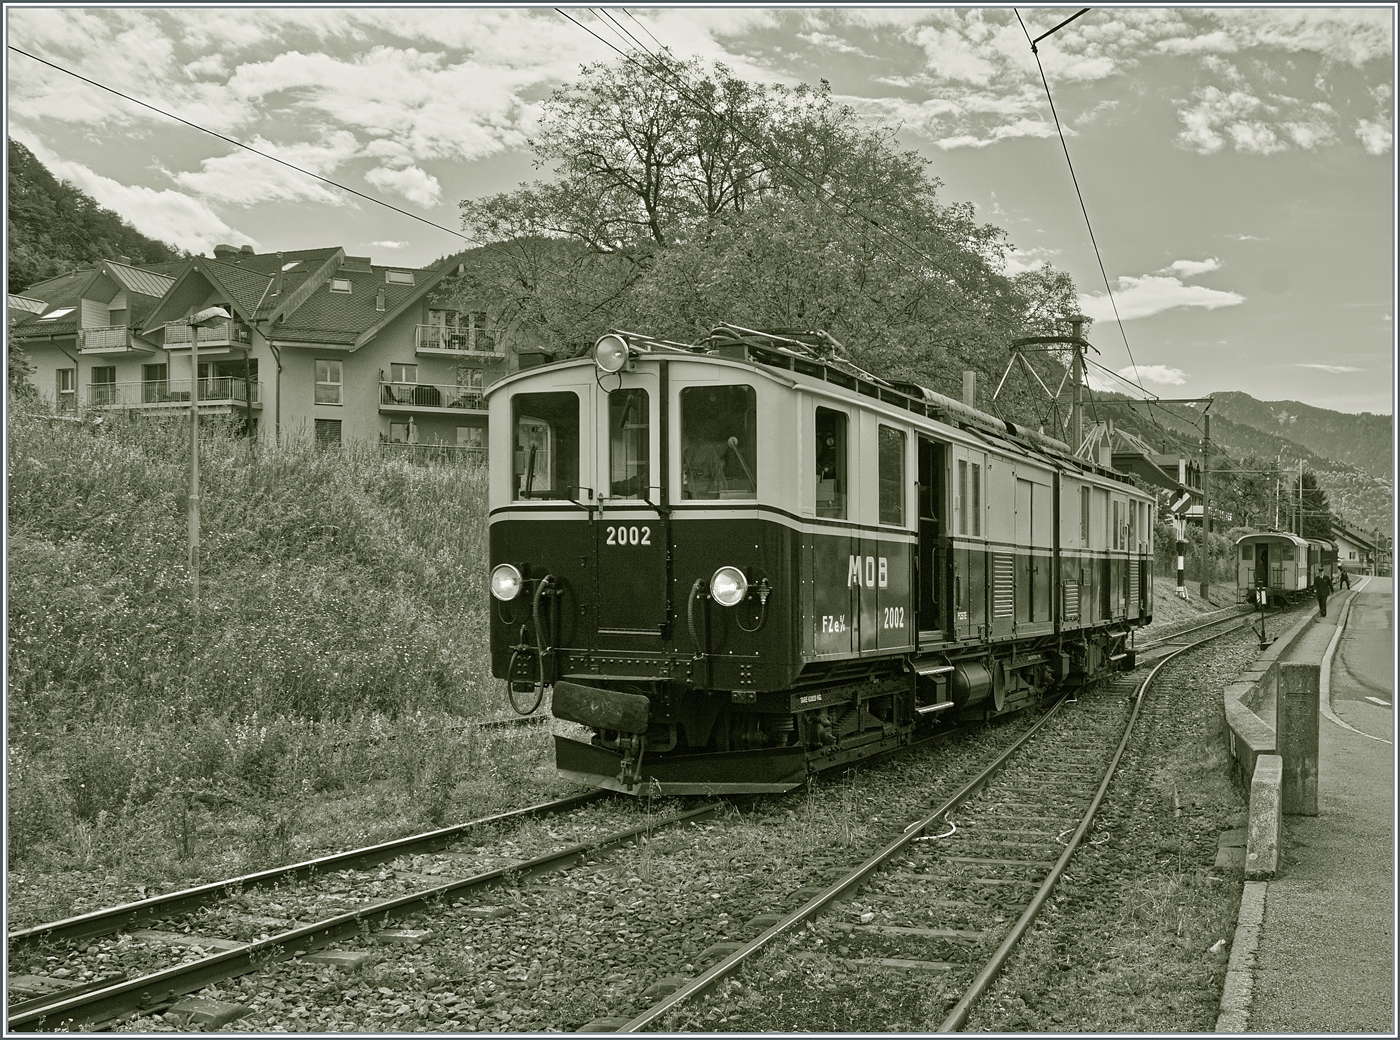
(737, 563)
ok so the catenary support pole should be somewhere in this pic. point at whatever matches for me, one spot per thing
(1205, 511)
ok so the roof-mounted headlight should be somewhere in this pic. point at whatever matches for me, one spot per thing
(506, 582)
(728, 587)
(611, 354)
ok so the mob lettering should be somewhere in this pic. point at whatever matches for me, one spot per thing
(867, 573)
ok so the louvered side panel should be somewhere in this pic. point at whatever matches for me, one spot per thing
(1071, 604)
(1003, 585)
(1134, 582)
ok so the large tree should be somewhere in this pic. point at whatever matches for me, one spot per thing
(682, 196)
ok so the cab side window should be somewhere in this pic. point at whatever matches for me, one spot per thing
(832, 462)
(719, 442)
(891, 452)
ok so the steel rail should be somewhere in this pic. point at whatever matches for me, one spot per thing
(957, 1017)
(89, 1010)
(1228, 614)
(728, 965)
(104, 922)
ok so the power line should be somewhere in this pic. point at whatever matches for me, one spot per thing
(1083, 208)
(240, 144)
(777, 162)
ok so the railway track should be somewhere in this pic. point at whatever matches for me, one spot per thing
(953, 895)
(207, 927)
(976, 861)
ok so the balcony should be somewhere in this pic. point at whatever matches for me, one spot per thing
(449, 453)
(110, 339)
(430, 397)
(220, 334)
(219, 394)
(436, 340)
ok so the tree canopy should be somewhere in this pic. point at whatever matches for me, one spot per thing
(682, 196)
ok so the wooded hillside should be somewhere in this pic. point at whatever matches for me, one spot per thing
(54, 227)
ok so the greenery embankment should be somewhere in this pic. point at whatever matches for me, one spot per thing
(315, 699)
(318, 699)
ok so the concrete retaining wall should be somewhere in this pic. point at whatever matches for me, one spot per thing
(1254, 749)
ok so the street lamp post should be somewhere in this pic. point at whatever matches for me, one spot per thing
(205, 317)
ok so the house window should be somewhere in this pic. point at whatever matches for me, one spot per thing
(330, 384)
(155, 385)
(341, 285)
(104, 384)
(66, 389)
(471, 437)
(891, 450)
(400, 433)
(399, 277)
(403, 373)
(328, 433)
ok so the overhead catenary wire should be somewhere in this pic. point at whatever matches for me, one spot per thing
(798, 180)
(498, 247)
(1078, 192)
(237, 143)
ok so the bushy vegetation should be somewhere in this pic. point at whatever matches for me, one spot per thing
(340, 636)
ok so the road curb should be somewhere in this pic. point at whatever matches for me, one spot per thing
(1239, 976)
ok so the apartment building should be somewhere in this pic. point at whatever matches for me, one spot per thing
(316, 343)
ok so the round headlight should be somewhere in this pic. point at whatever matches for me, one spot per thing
(729, 586)
(505, 582)
(610, 353)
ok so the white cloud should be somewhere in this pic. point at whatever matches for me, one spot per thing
(169, 216)
(1191, 268)
(243, 178)
(1152, 294)
(389, 243)
(1019, 261)
(1376, 137)
(1335, 369)
(1162, 375)
(412, 183)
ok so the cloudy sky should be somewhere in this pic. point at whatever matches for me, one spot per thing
(1238, 165)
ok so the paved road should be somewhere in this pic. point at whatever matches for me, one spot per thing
(1325, 957)
(1363, 673)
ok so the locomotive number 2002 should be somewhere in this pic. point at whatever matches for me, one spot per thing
(629, 535)
(894, 617)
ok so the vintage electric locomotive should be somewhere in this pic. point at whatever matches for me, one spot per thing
(739, 562)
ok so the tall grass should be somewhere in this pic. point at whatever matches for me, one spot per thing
(341, 603)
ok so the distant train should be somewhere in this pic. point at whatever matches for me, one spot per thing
(1281, 567)
(739, 562)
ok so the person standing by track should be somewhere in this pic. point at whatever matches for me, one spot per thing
(1323, 585)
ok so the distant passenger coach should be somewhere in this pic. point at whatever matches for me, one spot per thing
(1284, 566)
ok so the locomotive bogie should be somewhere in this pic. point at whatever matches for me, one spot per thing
(735, 569)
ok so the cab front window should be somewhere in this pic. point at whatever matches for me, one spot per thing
(719, 445)
(629, 444)
(545, 428)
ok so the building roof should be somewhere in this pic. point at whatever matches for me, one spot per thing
(342, 316)
(61, 295)
(24, 303)
(138, 279)
(301, 291)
